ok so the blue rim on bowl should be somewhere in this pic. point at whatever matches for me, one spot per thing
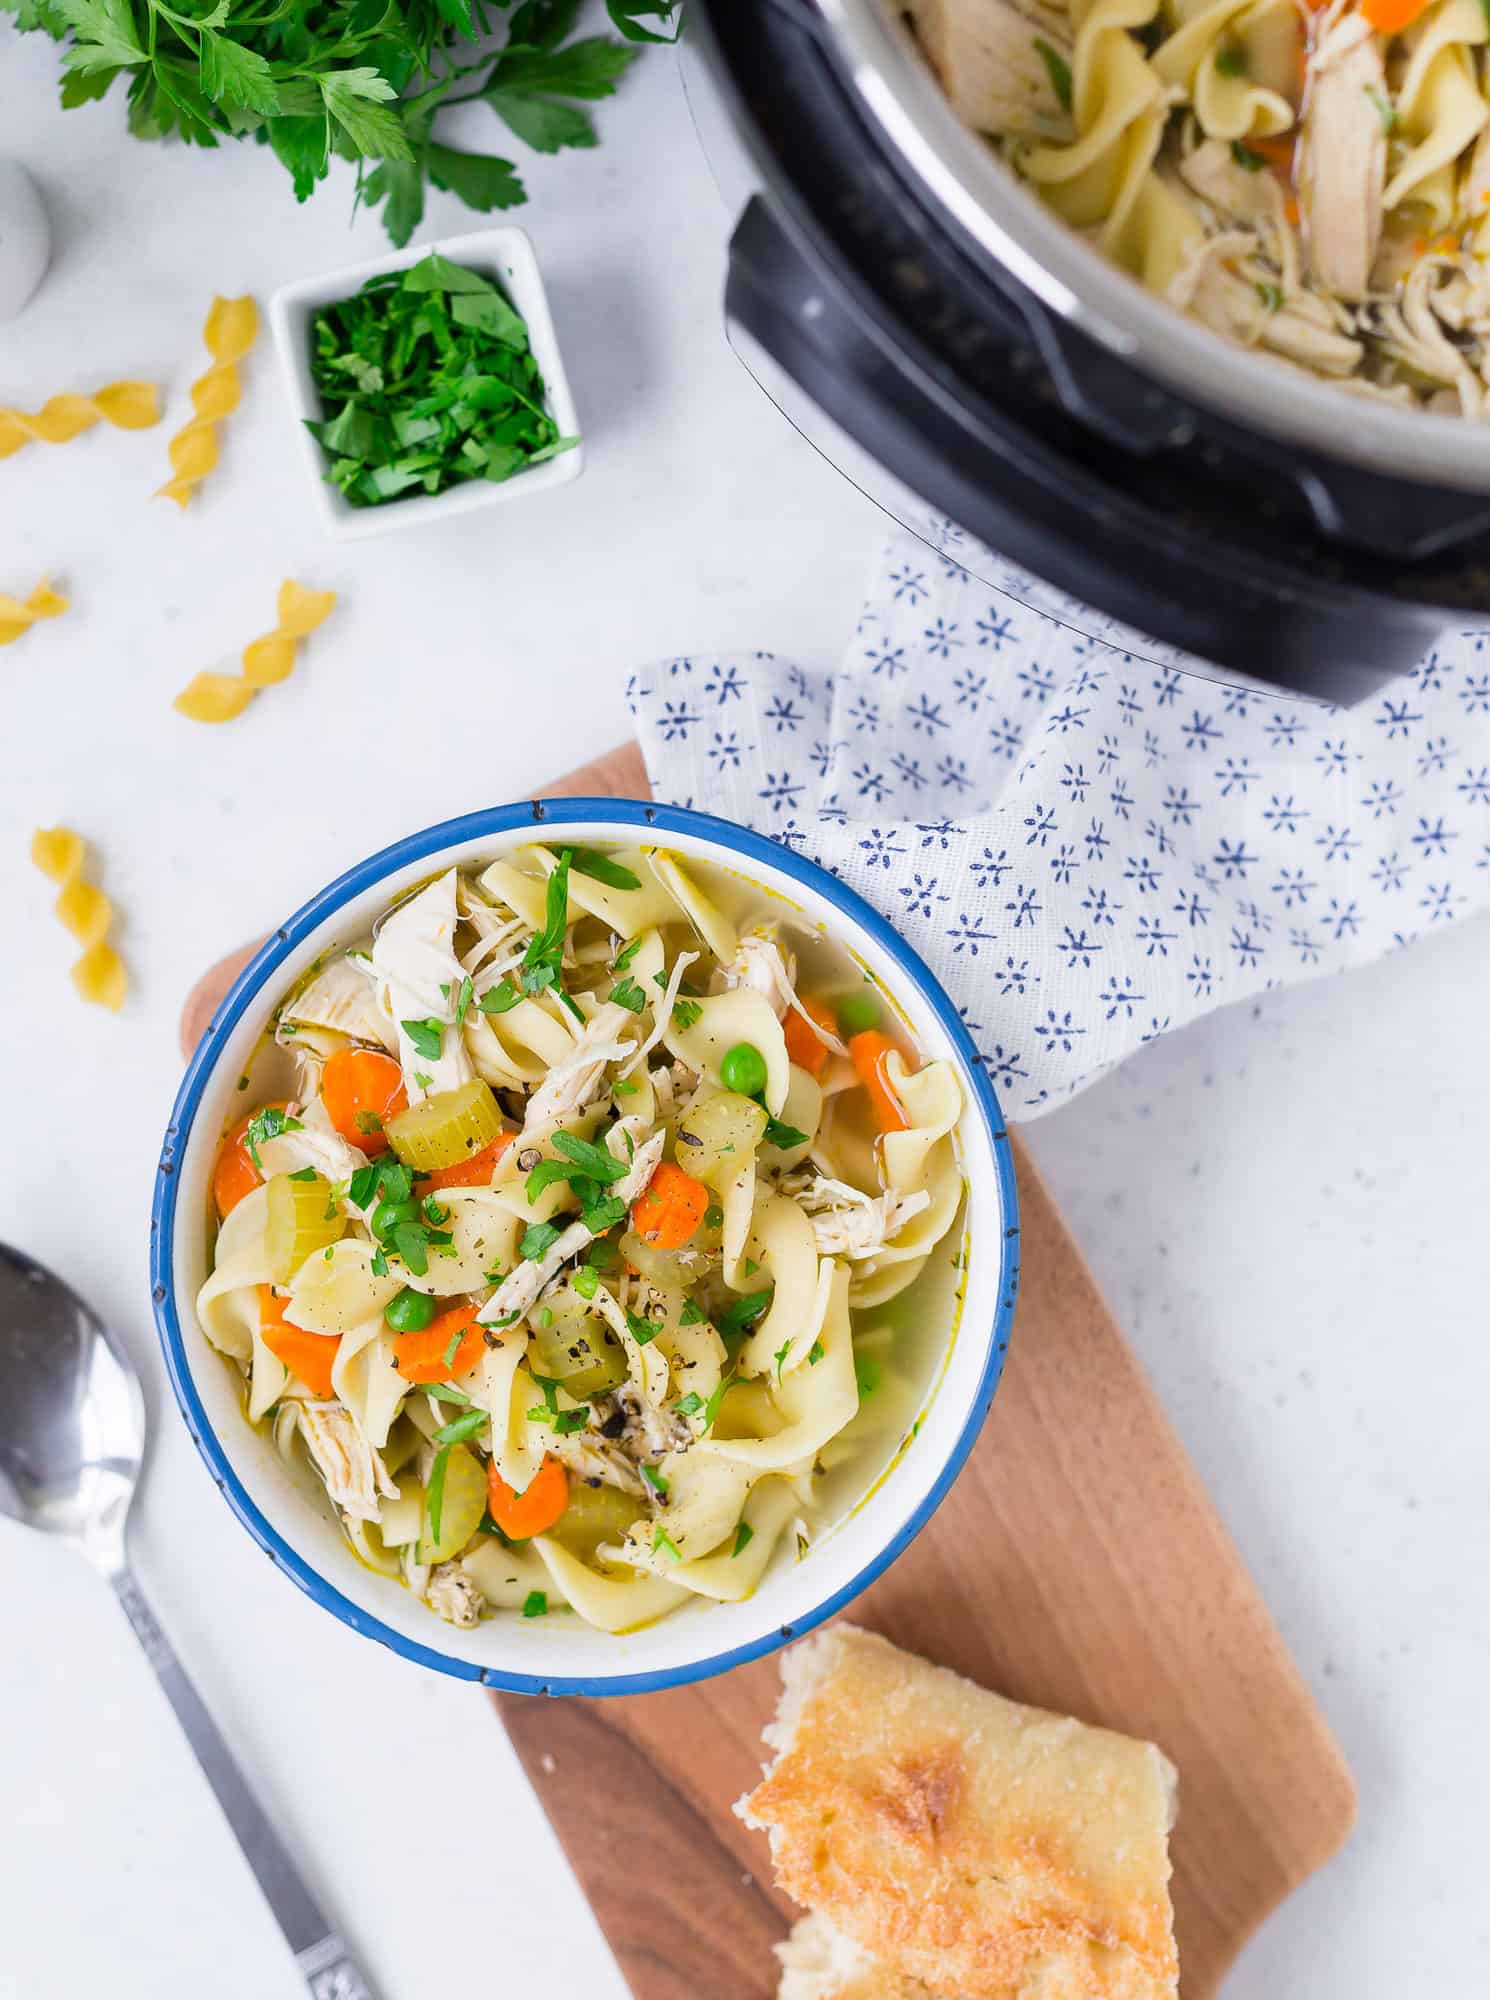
(473, 827)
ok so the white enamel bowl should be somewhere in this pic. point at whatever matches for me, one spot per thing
(559, 1654)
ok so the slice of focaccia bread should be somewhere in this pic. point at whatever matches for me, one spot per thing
(988, 1850)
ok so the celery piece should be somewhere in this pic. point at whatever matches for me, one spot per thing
(448, 1128)
(301, 1220)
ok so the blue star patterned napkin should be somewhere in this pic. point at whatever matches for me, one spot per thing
(1088, 846)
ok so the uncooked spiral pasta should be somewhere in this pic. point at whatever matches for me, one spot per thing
(581, 1239)
(231, 329)
(211, 697)
(128, 406)
(83, 907)
(1309, 179)
(19, 614)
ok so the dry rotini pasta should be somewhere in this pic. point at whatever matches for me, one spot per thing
(219, 697)
(128, 406)
(83, 907)
(18, 615)
(231, 329)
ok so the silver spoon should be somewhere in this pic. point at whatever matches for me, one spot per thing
(72, 1438)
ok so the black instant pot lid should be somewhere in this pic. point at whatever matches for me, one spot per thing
(1249, 554)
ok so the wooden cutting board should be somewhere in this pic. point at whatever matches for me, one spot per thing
(1077, 1563)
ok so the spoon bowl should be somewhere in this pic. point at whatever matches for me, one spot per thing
(72, 1418)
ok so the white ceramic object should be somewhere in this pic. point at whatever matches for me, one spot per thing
(561, 1654)
(505, 255)
(25, 237)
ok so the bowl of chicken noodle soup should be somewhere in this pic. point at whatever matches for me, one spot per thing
(585, 1246)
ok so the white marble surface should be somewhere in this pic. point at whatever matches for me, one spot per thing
(1287, 1206)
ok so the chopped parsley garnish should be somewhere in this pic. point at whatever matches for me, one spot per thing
(423, 1078)
(1231, 61)
(689, 1405)
(692, 1314)
(544, 1317)
(1057, 69)
(686, 1014)
(367, 1123)
(1385, 110)
(779, 1357)
(713, 1216)
(426, 377)
(598, 1216)
(711, 1408)
(462, 1427)
(305, 1174)
(535, 1604)
(626, 993)
(815, 1353)
(662, 1542)
(600, 868)
(602, 1256)
(267, 1124)
(570, 1420)
(625, 955)
(543, 960)
(435, 1211)
(454, 1347)
(786, 1137)
(538, 1239)
(591, 1159)
(499, 999)
(1246, 159)
(658, 1481)
(744, 1536)
(446, 1392)
(463, 1001)
(641, 1330)
(549, 1384)
(739, 1316)
(428, 1036)
(586, 1281)
(867, 1374)
(434, 1498)
(622, 1086)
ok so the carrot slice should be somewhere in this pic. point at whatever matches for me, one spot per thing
(802, 1046)
(361, 1090)
(420, 1357)
(869, 1051)
(475, 1172)
(523, 1515)
(235, 1174)
(669, 1208)
(307, 1355)
(1390, 17)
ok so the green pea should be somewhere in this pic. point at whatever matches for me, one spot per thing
(858, 1011)
(389, 1214)
(743, 1069)
(409, 1311)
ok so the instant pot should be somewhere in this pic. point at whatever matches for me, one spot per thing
(903, 282)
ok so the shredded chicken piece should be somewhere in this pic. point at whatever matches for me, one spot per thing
(847, 1222)
(593, 1458)
(340, 998)
(1344, 156)
(569, 1085)
(451, 1592)
(355, 1476)
(984, 53)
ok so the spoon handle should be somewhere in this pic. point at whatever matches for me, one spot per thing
(326, 1964)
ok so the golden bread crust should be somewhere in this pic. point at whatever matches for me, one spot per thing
(992, 1851)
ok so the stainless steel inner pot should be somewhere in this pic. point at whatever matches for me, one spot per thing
(961, 172)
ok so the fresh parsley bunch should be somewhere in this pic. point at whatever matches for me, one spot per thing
(362, 79)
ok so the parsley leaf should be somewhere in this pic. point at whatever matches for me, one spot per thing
(626, 993)
(434, 1495)
(535, 1604)
(500, 999)
(428, 1036)
(658, 1481)
(739, 1316)
(624, 957)
(744, 1536)
(686, 1014)
(538, 1239)
(601, 868)
(786, 1137)
(594, 1160)
(463, 1427)
(641, 1330)
(267, 1124)
(689, 1405)
(598, 1216)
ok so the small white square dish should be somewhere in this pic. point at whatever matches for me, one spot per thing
(506, 257)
